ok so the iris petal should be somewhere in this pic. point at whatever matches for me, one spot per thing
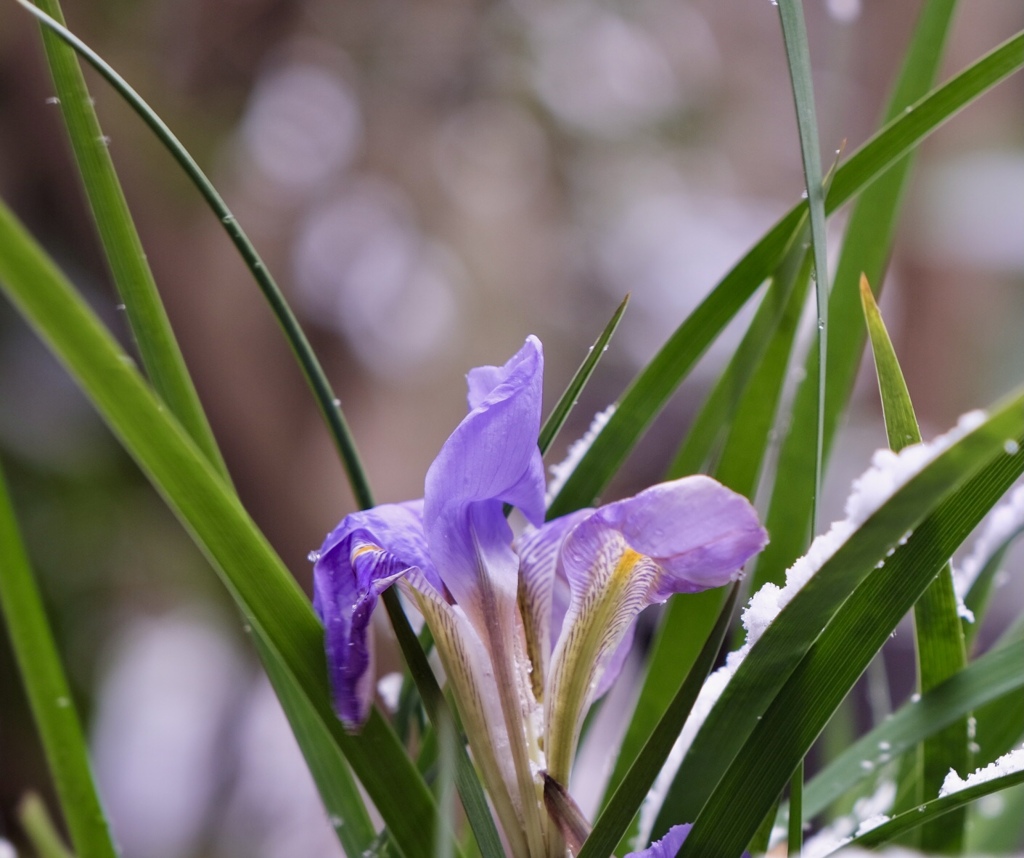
(677, 537)
(471, 677)
(668, 846)
(543, 590)
(698, 532)
(490, 459)
(351, 570)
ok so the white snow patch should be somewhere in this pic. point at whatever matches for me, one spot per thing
(577, 450)
(1007, 764)
(868, 812)
(389, 687)
(870, 823)
(1000, 525)
(825, 842)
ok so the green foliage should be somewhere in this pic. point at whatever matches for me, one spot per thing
(49, 693)
(267, 596)
(940, 642)
(793, 679)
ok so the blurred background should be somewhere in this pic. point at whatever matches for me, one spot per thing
(430, 180)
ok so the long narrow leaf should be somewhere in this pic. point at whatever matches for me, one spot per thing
(798, 57)
(268, 597)
(133, 278)
(624, 803)
(901, 426)
(750, 431)
(847, 644)
(941, 651)
(786, 642)
(556, 419)
(308, 362)
(651, 389)
(48, 692)
(930, 811)
(991, 677)
(867, 246)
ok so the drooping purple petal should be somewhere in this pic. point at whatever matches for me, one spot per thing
(360, 559)
(490, 459)
(699, 532)
(677, 537)
(668, 846)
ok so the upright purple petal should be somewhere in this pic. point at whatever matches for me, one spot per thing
(492, 454)
(490, 459)
(360, 559)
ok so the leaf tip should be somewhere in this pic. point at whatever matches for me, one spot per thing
(867, 297)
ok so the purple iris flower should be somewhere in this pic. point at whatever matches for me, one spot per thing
(530, 629)
(669, 845)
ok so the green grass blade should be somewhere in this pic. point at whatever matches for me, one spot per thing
(449, 745)
(328, 403)
(566, 402)
(688, 621)
(787, 641)
(133, 278)
(991, 678)
(819, 683)
(614, 820)
(49, 694)
(651, 389)
(268, 597)
(798, 57)
(939, 639)
(749, 435)
(705, 436)
(901, 426)
(930, 811)
(866, 249)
